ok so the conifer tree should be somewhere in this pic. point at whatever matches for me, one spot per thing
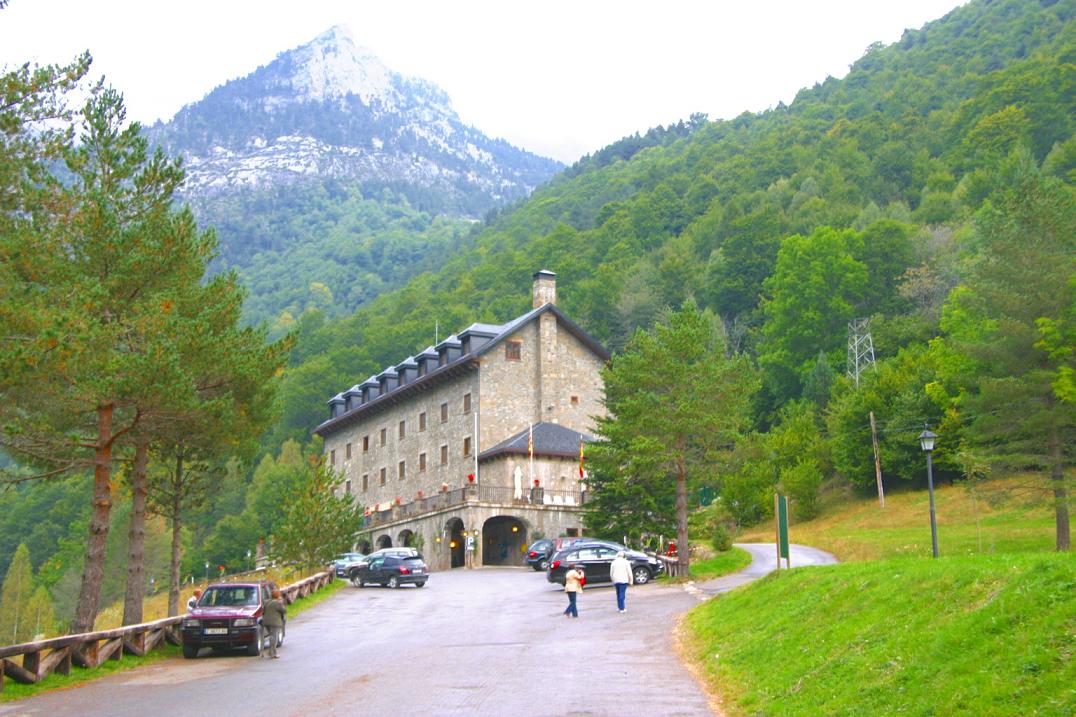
(16, 624)
(676, 404)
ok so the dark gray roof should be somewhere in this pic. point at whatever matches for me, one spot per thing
(550, 439)
(501, 331)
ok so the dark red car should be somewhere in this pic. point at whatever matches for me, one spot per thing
(227, 616)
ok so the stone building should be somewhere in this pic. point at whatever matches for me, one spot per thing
(473, 448)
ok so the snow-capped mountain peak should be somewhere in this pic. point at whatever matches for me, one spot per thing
(332, 65)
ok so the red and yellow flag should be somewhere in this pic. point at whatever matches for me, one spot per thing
(581, 458)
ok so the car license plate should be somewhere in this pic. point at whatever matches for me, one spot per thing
(416, 571)
(216, 631)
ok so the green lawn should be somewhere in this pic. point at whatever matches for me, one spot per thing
(981, 635)
(969, 523)
(721, 564)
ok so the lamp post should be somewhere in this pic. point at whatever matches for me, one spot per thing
(926, 440)
(207, 571)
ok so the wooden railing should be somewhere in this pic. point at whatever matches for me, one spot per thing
(673, 567)
(91, 649)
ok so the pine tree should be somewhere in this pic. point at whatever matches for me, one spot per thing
(677, 403)
(16, 622)
(1000, 323)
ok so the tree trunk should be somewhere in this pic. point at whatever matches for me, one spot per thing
(681, 520)
(1061, 495)
(89, 596)
(136, 537)
(177, 545)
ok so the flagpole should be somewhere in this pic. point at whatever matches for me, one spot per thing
(530, 450)
(476, 480)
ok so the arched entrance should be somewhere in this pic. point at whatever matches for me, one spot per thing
(454, 529)
(406, 538)
(363, 546)
(385, 541)
(503, 538)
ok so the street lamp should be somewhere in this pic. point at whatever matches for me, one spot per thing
(207, 571)
(926, 440)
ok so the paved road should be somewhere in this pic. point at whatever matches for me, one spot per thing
(480, 642)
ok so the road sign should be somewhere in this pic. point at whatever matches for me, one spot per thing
(780, 511)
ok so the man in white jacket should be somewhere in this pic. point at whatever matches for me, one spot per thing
(620, 572)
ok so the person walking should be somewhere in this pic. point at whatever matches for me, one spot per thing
(574, 580)
(273, 619)
(620, 573)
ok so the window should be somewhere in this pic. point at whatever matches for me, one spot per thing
(365, 444)
(401, 470)
(444, 455)
(347, 486)
(403, 429)
(348, 456)
(332, 457)
(444, 412)
(365, 482)
(575, 400)
(467, 446)
(466, 403)
(421, 462)
(422, 421)
(382, 476)
(513, 350)
(384, 435)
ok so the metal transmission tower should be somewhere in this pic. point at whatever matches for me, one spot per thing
(860, 348)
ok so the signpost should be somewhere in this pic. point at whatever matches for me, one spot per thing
(780, 512)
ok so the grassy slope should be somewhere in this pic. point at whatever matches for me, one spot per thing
(968, 523)
(982, 635)
(724, 563)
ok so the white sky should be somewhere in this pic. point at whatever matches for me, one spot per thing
(559, 78)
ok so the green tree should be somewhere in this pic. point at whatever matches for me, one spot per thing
(1020, 282)
(812, 295)
(16, 621)
(676, 404)
(321, 520)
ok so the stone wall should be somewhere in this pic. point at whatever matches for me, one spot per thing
(451, 433)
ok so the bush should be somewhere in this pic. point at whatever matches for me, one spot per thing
(721, 538)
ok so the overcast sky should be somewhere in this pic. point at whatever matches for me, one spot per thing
(559, 78)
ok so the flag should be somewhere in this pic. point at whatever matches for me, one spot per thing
(530, 440)
(581, 458)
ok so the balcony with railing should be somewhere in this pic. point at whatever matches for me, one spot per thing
(477, 494)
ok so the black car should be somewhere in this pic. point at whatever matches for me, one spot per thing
(342, 562)
(391, 571)
(538, 554)
(594, 560)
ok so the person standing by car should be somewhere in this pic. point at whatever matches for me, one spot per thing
(193, 600)
(573, 585)
(273, 619)
(620, 574)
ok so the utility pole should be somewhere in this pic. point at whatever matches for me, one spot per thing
(877, 462)
(860, 348)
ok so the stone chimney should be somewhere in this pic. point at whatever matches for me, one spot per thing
(545, 288)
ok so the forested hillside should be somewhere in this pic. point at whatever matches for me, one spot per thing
(930, 190)
(900, 153)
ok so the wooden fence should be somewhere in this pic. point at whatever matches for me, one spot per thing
(673, 567)
(90, 649)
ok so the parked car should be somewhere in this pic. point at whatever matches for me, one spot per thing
(228, 615)
(538, 554)
(364, 561)
(341, 562)
(595, 560)
(391, 570)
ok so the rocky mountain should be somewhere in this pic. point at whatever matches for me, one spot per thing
(329, 178)
(332, 110)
